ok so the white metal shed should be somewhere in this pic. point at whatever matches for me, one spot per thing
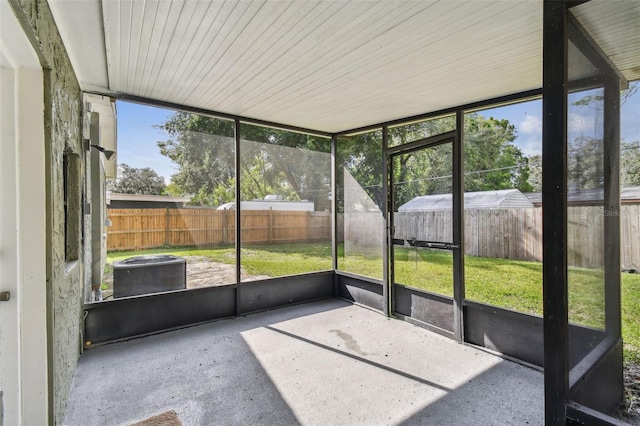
(501, 199)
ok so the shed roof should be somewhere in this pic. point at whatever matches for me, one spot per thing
(114, 196)
(629, 195)
(501, 199)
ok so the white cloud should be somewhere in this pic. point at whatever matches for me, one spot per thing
(530, 136)
(531, 145)
(531, 125)
(578, 123)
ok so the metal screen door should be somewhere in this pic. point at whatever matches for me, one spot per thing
(421, 223)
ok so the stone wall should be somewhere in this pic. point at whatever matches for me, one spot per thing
(65, 253)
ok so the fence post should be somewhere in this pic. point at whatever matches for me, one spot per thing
(308, 225)
(167, 227)
(224, 226)
(270, 224)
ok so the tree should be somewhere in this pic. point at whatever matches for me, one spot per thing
(203, 149)
(272, 162)
(535, 173)
(585, 163)
(293, 165)
(630, 164)
(297, 166)
(361, 157)
(491, 159)
(424, 172)
(133, 180)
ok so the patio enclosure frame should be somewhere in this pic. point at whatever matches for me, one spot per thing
(577, 360)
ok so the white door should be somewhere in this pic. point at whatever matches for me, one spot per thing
(23, 326)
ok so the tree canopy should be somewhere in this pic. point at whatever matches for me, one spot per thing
(297, 166)
(132, 180)
(586, 150)
(491, 159)
(630, 163)
(203, 149)
(272, 162)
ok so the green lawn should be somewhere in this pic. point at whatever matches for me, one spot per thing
(506, 283)
(274, 260)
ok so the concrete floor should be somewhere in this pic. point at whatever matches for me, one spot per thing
(321, 363)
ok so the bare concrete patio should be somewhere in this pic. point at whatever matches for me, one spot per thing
(321, 363)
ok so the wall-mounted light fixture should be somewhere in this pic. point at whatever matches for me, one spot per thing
(108, 154)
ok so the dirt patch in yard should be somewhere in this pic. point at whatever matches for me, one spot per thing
(201, 272)
(630, 412)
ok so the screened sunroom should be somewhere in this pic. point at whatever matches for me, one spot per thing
(359, 108)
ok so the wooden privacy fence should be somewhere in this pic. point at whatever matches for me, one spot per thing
(135, 229)
(503, 233)
(630, 235)
(499, 233)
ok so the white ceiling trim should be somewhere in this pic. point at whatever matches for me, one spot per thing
(81, 28)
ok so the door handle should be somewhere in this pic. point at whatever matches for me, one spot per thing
(5, 296)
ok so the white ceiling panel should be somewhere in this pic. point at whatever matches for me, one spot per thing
(326, 65)
(615, 26)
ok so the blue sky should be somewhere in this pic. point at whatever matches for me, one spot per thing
(527, 119)
(137, 137)
(630, 116)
